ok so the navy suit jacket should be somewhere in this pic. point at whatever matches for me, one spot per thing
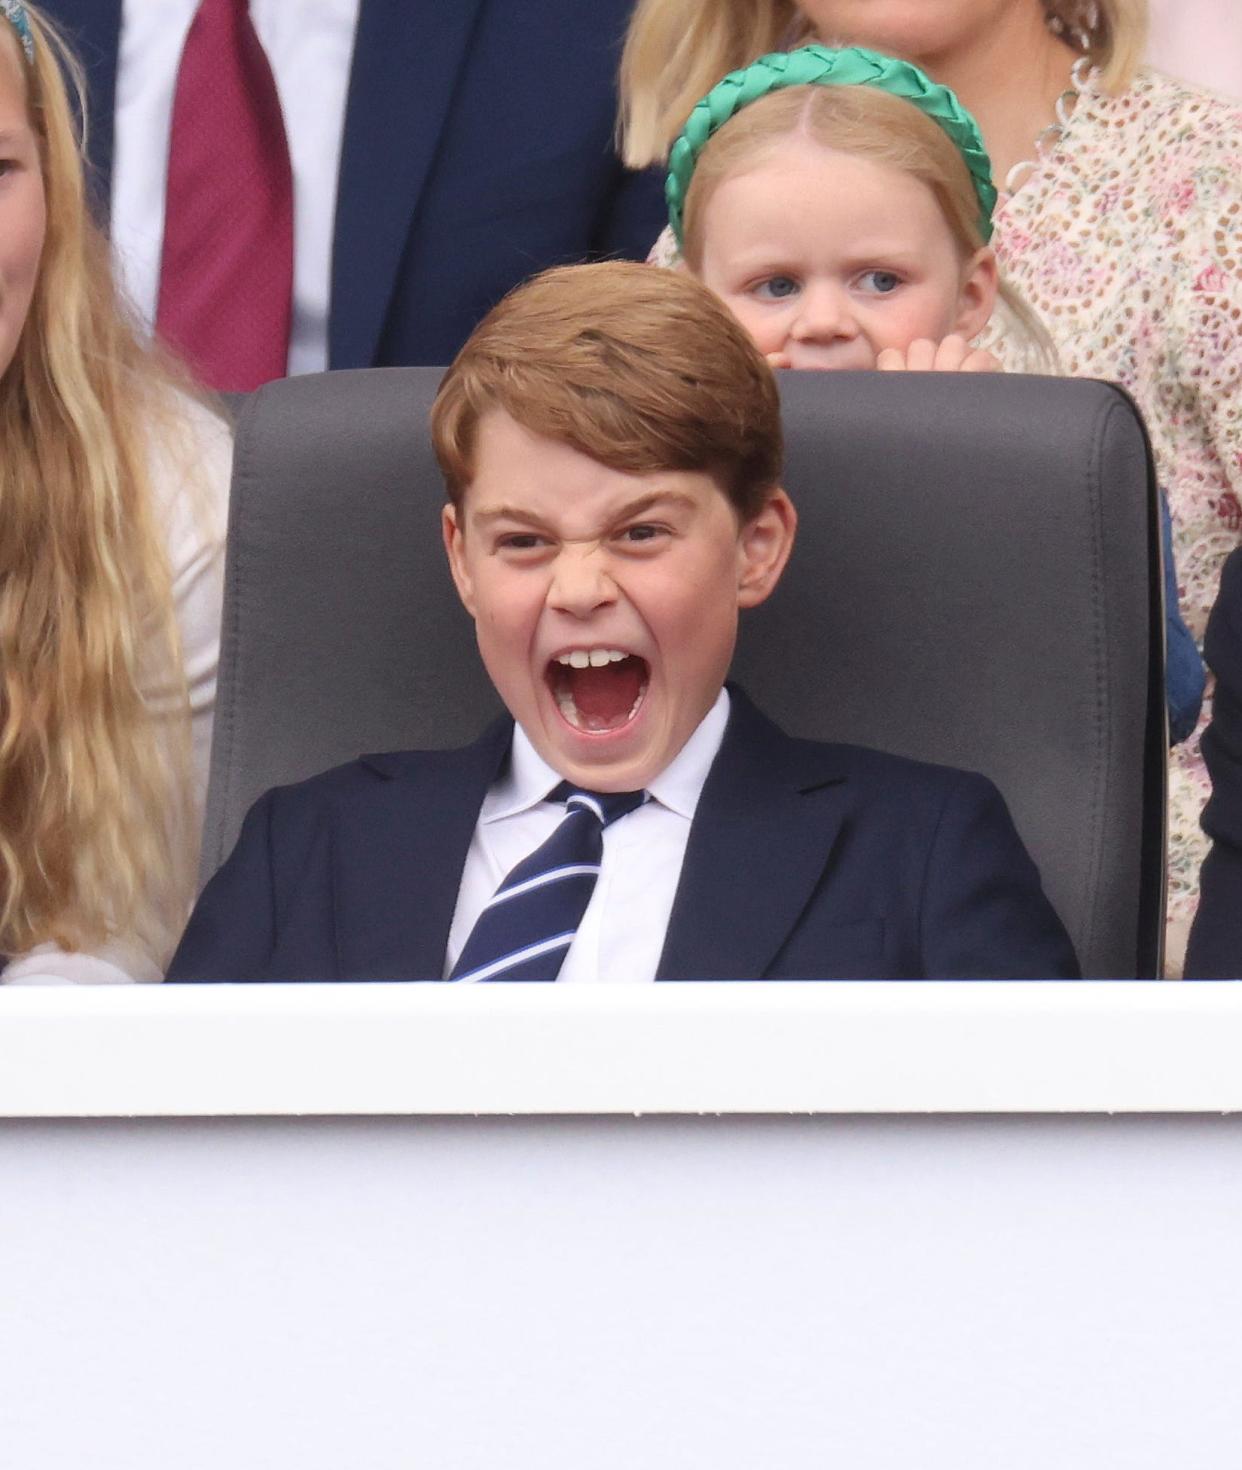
(1215, 949)
(478, 149)
(805, 861)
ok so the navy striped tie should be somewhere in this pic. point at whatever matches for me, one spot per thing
(530, 921)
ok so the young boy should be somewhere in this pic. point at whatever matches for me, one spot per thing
(610, 440)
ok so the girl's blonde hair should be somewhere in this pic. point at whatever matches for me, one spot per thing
(94, 803)
(677, 50)
(867, 123)
(864, 122)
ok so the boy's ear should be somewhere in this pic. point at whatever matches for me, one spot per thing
(980, 283)
(764, 544)
(454, 538)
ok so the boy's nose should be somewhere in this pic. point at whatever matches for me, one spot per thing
(824, 314)
(580, 581)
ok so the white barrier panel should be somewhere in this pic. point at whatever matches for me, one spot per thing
(735, 1292)
(892, 1047)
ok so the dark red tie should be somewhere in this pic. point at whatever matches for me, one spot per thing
(226, 273)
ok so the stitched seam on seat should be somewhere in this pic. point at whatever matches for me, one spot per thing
(228, 696)
(1101, 765)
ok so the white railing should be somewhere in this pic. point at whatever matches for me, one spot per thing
(517, 1049)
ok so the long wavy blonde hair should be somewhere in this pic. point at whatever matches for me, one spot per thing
(677, 50)
(94, 801)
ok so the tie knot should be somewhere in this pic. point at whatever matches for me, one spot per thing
(605, 806)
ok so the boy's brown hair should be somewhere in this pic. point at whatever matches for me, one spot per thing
(640, 369)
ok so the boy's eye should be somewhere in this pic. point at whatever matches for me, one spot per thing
(641, 534)
(776, 288)
(881, 282)
(519, 541)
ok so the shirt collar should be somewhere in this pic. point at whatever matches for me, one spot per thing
(680, 784)
(528, 779)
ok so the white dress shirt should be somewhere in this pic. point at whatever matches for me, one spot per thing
(309, 45)
(622, 932)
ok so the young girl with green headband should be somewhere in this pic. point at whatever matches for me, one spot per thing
(839, 202)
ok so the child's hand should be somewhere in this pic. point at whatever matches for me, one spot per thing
(953, 355)
(779, 359)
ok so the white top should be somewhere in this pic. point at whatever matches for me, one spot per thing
(622, 932)
(309, 44)
(190, 477)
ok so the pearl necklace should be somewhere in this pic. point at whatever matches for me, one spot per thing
(1081, 75)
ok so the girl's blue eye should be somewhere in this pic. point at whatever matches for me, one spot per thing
(776, 288)
(881, 282)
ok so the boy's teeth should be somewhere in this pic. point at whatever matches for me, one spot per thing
(595, 658)
(565, 702)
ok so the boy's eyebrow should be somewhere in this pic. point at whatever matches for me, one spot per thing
(638, 507)
(657, 497)
(506, 513)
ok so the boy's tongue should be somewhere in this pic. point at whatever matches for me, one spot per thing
(605, 696)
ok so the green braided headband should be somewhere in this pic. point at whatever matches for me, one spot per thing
(15, 13)
(852, 67)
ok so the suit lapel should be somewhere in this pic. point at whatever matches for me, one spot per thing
(406, 61)
(397, 863)
(762, 835)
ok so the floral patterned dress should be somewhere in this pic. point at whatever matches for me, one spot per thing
(1127, 240)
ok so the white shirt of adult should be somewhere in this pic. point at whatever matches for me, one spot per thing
(310, 47)
(621, 936)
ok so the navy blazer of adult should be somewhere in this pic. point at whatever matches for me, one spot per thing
(805, 862)
(1215, 948)
(478, 149)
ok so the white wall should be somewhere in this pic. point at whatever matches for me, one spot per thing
(736, 1294)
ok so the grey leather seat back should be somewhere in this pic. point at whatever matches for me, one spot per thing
(976, 581)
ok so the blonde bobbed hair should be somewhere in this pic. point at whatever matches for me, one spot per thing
(94, 801)
(677, 50)
(864, 122)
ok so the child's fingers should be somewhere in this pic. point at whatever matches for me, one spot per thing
(921, 356)
(980, 361)
(956, 355)
(779, 360)
(951, 354)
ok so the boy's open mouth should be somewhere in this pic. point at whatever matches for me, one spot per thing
(597, 689)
